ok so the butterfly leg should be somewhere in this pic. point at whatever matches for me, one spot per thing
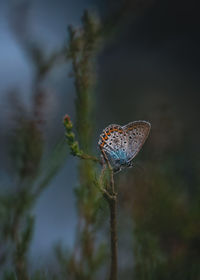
(117, 169)
(129, 164)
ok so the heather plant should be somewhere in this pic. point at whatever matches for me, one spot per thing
(83, 44)
(164, 225)
(31, 172)
(158, 220)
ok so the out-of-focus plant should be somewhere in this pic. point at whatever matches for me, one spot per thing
(86, 260)
(31, 173)
(83, 46)
(83, 43)
(165, 224)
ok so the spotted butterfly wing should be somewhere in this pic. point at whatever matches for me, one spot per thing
(110, 142)
(121, 144)
(136, 134)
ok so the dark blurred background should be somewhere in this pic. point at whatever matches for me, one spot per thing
(149, 69)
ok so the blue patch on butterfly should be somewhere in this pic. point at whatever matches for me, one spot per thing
(118, 159)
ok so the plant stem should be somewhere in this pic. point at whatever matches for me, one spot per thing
(89, 157)
(18, 260)
(113, 238)
(111, 196)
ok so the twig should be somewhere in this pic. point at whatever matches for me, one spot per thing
(86, 156)
(113, 238)
(18, 260)
(73, 144)
(111, 197)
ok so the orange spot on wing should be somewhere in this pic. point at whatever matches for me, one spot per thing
(106, 135)
(102, 138)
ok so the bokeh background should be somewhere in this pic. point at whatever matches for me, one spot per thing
(147, 68)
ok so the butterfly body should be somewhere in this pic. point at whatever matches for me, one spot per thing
(122, 143)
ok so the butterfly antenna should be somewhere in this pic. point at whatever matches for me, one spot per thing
(139, 167)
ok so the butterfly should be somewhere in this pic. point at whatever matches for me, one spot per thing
(122, 143)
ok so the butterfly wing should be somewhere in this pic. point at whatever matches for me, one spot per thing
(111, 142)
(136, 134)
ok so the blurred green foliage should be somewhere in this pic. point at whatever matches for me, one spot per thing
(30, 173)
(161, 203)
(88, 255)
(166, 226)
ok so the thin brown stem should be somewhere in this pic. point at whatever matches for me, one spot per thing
(18, 260)
(111, 196)
(113, 238)
(89, 157)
